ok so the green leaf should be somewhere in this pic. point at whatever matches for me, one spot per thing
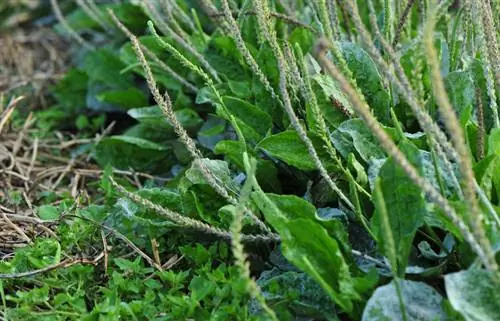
(220, 169)
(298, 292)
(268, 63)
(241, 89)
(474, 294)
(126, 98)
(251, 115)
(125, 152)
(330, 89)
(224, 56)
(353, 136)
(309, 247)
(332, 103)
(128, 57)
(361, 176)
(460, 89)
(303, 37)
(48, 212)
(201, 288)
(494, 149)
(478, 73)
(233, 149)
(420, 301)
(494, 142)
(166, 197)
(368, 80)
(131, 15)
(34, 296)
(71, 91)
(405, 205)
(267, 174)
(207, 95)
(103, 65)
(485, 172)
(154, 118)
(288, 147)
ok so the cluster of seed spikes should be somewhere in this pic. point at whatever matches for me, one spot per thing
(172, 21)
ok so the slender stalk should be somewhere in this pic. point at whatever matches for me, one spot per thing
(270, 35)
(401, 82)
(488, 50)
(65, 24)
(490, 33)
(236, 240)
(319, 120)
(156, 16)
(212, 11)
(167, 8)
(390, 147)
(166, 107)
(88, 11)
(334, 22)
(402, 21)
(452, 124)
(190, 222)
(388, 19)
(151, 55)
(276, 15)
(242, 48)
(403, 86)
(480, 123)
(325, 19)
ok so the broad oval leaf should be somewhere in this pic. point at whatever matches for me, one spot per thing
(461, 90)
(308, 244)
(309, 247)
(353, 136)
(308, 299)
(288, 147)
(404, 204)
(126, 98)
(420, 301)
(250, 114)
(474, 294)
(368, 80)
(125, 152)
(218, 168)
(153, 116)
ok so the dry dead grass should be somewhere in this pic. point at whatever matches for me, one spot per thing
(30, 61)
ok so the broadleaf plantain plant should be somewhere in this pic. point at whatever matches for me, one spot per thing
(357, 140)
